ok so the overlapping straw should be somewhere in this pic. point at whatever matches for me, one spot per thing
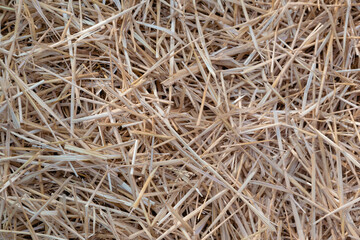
(177, 119)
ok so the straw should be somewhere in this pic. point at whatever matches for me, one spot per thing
(177, 119)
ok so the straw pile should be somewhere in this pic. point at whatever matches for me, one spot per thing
(177, 119)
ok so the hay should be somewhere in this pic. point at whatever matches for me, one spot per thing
(177, 119)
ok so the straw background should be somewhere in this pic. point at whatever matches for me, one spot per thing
(179, 119)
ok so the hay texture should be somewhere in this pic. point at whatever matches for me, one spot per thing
(179, 119)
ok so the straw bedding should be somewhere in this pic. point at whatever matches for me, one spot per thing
(177, 119)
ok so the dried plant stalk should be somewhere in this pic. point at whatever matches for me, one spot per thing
(176, 119)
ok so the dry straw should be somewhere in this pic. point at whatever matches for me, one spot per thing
(179, 119)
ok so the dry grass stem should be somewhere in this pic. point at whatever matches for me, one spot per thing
(179, 119)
